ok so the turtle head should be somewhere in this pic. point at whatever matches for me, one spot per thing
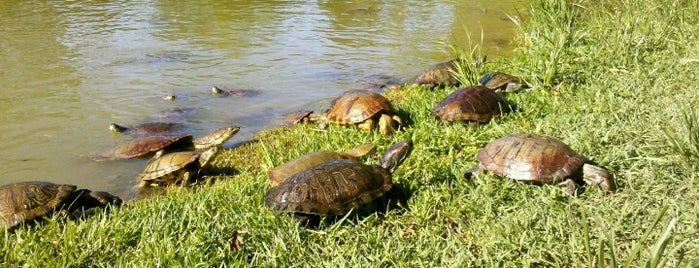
(596, 175)
(216, 91)
(116, 128)
(395, 155)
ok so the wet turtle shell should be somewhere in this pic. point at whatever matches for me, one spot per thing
(475, 103)
(281, 173)
(219, 92)
(142, 147)
(442, 73)
(364, 108)
(151, 128)
(537, 159)
(28, 201)
(336, 187)
(215, 138)
(175, 168)
(502, 82)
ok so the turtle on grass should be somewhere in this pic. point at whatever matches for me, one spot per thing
(337, 187)
(475, 103)
(366, 109)
(539, 159)
(175, 168)
(439, 74)
(26, 202)
(502, 82)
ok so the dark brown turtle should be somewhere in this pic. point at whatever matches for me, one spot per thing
(442, 73)
(151, 128)
(336, 187)
(25, 202)
(364, 109)
(280, 173)
(502, 82)
(175, 168)
(538, 159)
(145, 146)
(475, 103)
(219, 92)
(298, 117)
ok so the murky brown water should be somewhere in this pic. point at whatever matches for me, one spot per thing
(68, 69)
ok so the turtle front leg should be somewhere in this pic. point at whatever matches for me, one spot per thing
(388, 123)
(367, 125)
(569, 187)
(595, 175)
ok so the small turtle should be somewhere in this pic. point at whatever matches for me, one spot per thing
(379, 83)
(177, 114)
(219, 92)
(475, 103)
(280, 173)
(215, 138)
(298, 117)
(175, 168)
(25, 202)
(364, 109)
(442, 73)
(142, 147)
(538, 159)
(144, 129)
(336, 187)
(502, 82)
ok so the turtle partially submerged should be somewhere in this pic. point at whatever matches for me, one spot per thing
(175, 168)
(439, 74)
(150, 128)
(366, 109)
(539, 159)
(219, 92)
(475, 103)
(25, 202)
(280, 173)
(337, 187)
(502, 82)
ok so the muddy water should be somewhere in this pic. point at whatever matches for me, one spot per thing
(68, 69)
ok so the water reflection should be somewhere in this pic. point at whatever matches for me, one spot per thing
(69, 69)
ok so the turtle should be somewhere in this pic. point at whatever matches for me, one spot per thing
(442, 73)
(175, 168)
(28, 201)
(215, 138)
(219, 92)
(502, 82)
(142, 147)
(335, 188)
(539, 159)
(280, 173)
(365, 109)
(145, 129)
(474, 103)
(379, 83)
(298, 117)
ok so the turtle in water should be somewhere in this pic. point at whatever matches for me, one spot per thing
(366, 109)
(379, 83)
(337, 187)
(539, 159)
(502, 82)
(144, 129)
(175, 168)
(475, 103)
(280, 173)
(25, 202)
(219, 92)
(442, 73)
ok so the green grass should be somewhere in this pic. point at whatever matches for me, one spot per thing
(613, 79)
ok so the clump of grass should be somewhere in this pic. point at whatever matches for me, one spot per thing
(684, 139)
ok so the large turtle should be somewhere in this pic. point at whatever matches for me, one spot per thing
(336, 187)
(280, 173)
(150, 128)
(475, 103)
(175, 168)
(365, 109)
(25, 202)
(538, 159)
(442, 73)
(502, 82)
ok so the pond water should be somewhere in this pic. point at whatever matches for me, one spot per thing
(70, 68)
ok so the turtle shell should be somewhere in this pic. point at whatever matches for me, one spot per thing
(501, 81)
(297, 117)
(356, 106)
(475, 103)
(169, 168)
(331, 188)
(530, 157)
(144, 146)
(438, 74)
